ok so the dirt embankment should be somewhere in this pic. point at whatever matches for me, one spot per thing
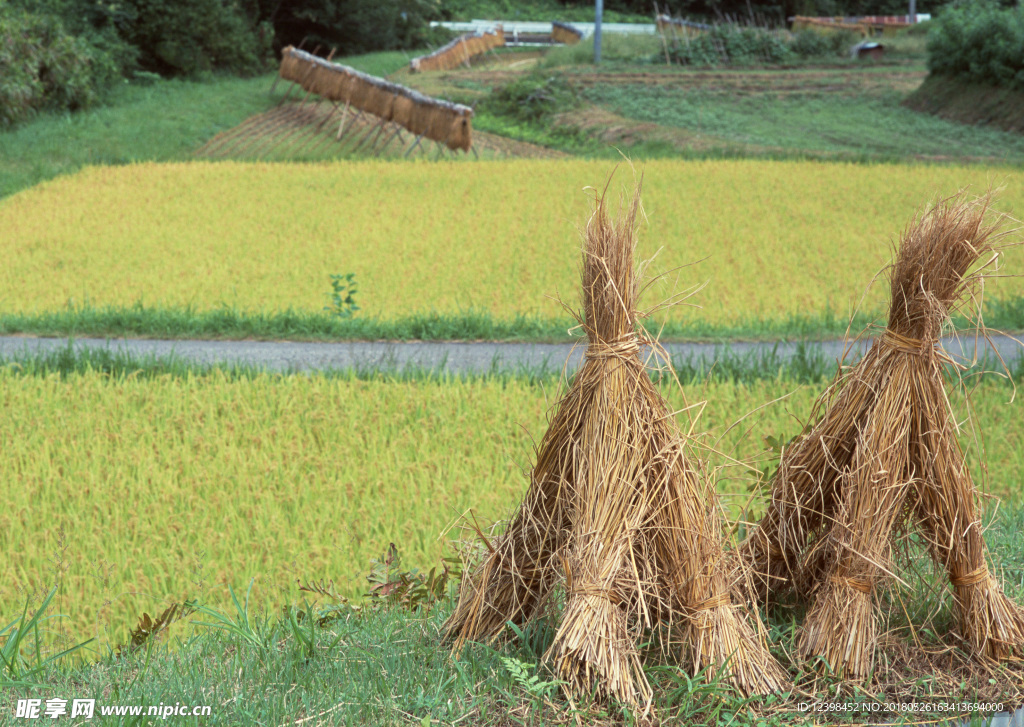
(969, 103)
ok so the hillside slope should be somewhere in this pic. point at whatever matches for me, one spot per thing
(969, 103)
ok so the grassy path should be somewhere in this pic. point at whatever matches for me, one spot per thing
(803, 360)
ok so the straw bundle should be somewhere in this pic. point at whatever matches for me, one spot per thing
(359, 94)
(618, 515)
(323, 82)
(341, 87)
(680, 25)
(458, 51)
(884, 453)
(419, 118)
(565, 33)
(458, 136)
(801, 22)
(289, 68)
(438, 120)
(377, 100)
(402, 111)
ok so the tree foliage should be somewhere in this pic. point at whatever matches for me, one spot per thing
(352, 26)
(979, 42)
(43, 66)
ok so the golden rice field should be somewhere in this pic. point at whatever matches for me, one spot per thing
(278, 478)
(774, 238)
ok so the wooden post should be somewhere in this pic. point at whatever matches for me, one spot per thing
(344, 115)
(415, 144)
(380, 125)
(661, 32)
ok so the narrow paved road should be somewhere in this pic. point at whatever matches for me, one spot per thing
(455, 357)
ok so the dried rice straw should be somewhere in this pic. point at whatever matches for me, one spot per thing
(438, 120)
(885, 452)
(618, 514)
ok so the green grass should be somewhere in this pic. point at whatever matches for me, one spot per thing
(620, 51)
(169, 120)
(969, 103)
(616, 51)
(873, 125)
(277, 658)
(163, 120)
(381, 63)
(379, 664)
(227, 323)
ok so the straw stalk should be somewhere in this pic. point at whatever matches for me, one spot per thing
(885, 456)
(619, 516)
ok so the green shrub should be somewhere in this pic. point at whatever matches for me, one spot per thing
(815, 44)
(979, 42)
(170, 37)
(532, 98)
(921, 28)
(42, 66)
(615, 48)
(731, 45)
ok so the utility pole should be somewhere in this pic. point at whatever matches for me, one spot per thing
(598, 12)
(913, 11)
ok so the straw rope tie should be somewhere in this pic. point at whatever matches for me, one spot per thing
(858, 584)
(623, 348)
(722, 599)
(971, 579)
(607, 594)
(902, 343)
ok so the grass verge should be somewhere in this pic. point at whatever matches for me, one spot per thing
(969, 103)
(225, 323)
(377, 662)
(160, 120)
(870, 124)
(807, 365)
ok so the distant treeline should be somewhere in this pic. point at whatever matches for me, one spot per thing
(64, 54)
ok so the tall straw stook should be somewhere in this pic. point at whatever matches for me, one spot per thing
(886, 451)
(629, 525)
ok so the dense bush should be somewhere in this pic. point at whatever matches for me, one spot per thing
(187, 37)
(532, 98)
(814, 44)
(731, 44)
(171, 37)
(190, 37)
(708, 10)
(920, 28)
(63, 54)
(42, 66)
(979, 42)
(351, 26)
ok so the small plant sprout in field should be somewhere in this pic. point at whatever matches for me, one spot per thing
(524, 675)
(343, 296)
(17, 669)
(390, 585)
(255, 632)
